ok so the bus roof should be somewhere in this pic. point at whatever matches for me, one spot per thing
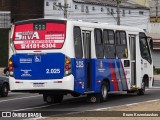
(40, 21)
(82, 23)
(105, 25)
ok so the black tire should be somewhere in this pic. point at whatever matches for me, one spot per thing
(50, 98)
(93, 98)
(104, 92)
(141, 91)
(4, 90)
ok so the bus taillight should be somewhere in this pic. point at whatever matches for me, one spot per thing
(10, 67)
(67, 69)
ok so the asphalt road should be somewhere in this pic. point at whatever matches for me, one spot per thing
(34, 102)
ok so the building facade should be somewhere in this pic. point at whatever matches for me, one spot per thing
(12, 11)
(23, 9)
(100, 11)
(142, 2)
(5, 19)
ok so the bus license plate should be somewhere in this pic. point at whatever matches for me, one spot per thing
(38, 85)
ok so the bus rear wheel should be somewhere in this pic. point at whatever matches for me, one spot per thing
(50, 98)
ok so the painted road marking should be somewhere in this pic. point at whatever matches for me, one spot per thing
(36, 107)
(40, 118)
(99, 109)
(19, 98)
(44, 106)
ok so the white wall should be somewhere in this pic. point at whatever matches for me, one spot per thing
(154, 28)
(133, 19)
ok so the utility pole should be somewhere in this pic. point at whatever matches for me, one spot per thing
(118, 12)
(65, 8)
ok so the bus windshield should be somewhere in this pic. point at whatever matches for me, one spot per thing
(39, 35)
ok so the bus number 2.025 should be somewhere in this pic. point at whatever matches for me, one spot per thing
(52, 71)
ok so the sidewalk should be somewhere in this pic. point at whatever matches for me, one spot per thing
(151, 106)
(156, 77)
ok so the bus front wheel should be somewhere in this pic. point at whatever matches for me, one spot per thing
(142, 90)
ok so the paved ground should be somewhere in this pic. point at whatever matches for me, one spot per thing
(144, 107)
(130, 111)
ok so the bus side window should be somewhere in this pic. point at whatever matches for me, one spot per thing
(99, 43)
(109, 44)
(78, 42)
(144, 48)
(121, 44)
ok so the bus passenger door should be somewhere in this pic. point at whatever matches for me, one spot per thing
(132, 44)
(86, 35)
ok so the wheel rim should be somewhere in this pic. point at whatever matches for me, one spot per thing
(49, 99)
(93, 99)
(104, 91)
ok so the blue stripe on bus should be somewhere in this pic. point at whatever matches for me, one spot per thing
(120, 77)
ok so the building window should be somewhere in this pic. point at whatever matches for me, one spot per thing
(59, 5)
(93, 8)
(141, 12)
(76, 7)
(123, 13)
(108, 11)
(47, 3)
(82, 8)
(112, 11)
(54, 6)
(87, 9)
(129, 12)
(102, 9)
